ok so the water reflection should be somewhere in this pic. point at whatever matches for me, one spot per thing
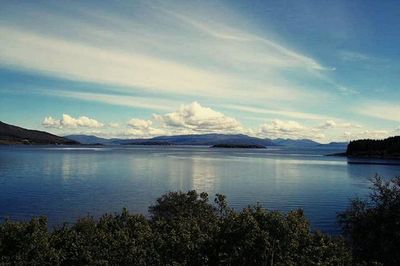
(203, 175)
(67, 183)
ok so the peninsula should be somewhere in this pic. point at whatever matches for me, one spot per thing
(367, 148)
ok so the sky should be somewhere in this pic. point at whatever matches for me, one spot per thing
(322, 70)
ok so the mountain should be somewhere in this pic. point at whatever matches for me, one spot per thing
(197, 139)
(88, 139)
(213, 139)
(335, 145)
(10, 134)
(295, 142)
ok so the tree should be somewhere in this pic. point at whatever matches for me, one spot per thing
(372, 226)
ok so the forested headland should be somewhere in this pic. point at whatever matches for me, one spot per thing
(385, 148)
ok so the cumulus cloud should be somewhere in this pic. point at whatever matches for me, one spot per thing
(328, 124)
(51, 122)
(113, 125)
(142, 128)
(368, 134)
(68, 121)
(287, 129)
(331, 124)
(278, 127)
(143, 133)
(292, 129)
(193, 118)
(196, 118)
(139, 123)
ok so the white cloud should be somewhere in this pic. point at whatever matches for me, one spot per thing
(368, 134)
(142, 133)
(113, 125)
(68, 121)
(278, 126)
(204, 56)
(289, 129)
(328, 124)
(141, 128)
(286, 57)
(293, 129)
(287, 113)
(332, 124)
(196, 118)
(139, 123)
(115, 99)
(51, 122)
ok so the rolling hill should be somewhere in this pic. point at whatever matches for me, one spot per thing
(10, 134)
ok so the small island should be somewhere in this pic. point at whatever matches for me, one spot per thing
(239, 146)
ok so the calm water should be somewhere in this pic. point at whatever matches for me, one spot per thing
(68, 182)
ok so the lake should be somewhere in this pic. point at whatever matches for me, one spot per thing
(65, 183)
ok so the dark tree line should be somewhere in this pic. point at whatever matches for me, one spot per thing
(389, 147)
(187, 229)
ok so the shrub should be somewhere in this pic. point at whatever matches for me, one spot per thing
(372, 227)
(183, 229)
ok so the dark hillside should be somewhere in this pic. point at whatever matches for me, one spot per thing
(10, 134)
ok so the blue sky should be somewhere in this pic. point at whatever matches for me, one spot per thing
(325, 70)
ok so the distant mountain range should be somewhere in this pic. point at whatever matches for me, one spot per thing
(10, 134)
(336, 145)
(89, 139)
(198, 139)
(206, 140)
(295, 142)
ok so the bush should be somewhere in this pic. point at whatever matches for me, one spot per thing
(372, 227)
(183, 229)
(27, 243)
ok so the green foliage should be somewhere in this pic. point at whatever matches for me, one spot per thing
(372, 227)
(26, 243)
(183, 229)
(122, 239)
(185, 225)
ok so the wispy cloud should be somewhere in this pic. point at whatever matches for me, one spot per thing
(283, 56)
(151, 103)
(382, 110)
(162, 51)
(286, 113)
(351, 56)
(157, 55)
